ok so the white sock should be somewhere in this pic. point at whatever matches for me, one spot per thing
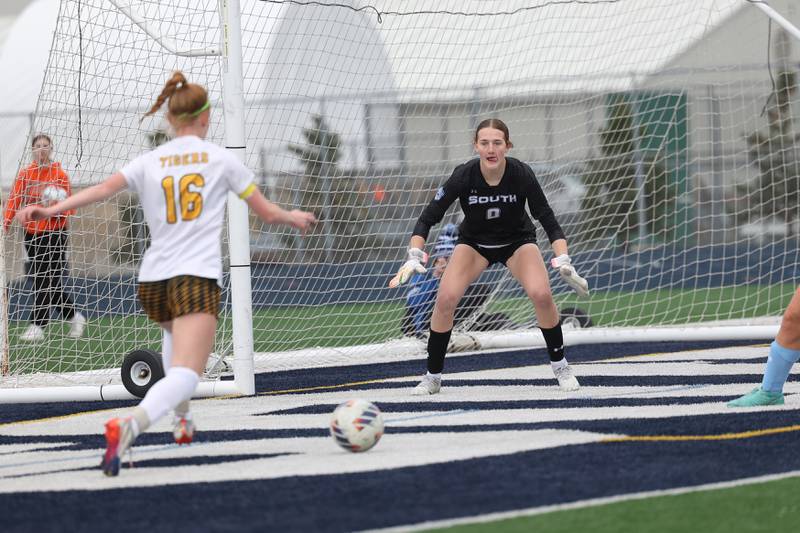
(135, 427)
(556, 365)
(176, 387)
(434, 376)
(139, 421)
(166, 350)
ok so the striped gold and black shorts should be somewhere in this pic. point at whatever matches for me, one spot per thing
(165, 300)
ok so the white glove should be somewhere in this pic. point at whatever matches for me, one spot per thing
(563, 264)
(416, 258)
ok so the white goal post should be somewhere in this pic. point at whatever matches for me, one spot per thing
(665, 135)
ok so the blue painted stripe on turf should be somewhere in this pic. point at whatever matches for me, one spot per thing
(18, 412)
(733, 421)
(96, 441)
(194, 460)
(613, 381)
(586, 381)
(689, 359)
(387, 498)
(401, 496)
(503, 405)
(712, 424)
(333, 376)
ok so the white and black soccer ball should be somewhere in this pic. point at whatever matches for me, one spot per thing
(52, 194)
(357, 425)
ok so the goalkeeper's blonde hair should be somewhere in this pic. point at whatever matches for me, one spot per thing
(186, 100)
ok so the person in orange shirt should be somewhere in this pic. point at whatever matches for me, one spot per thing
(44, 182)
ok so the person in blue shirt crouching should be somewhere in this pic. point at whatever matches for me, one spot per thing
(422, 294)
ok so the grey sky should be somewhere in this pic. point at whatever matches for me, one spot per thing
(12, 7)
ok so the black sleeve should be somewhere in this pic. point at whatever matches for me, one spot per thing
(541, 210)
(442, 200)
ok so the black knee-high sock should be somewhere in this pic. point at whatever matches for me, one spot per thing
(554, 339)
(437, 348)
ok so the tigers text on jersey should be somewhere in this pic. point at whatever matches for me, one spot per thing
(493, 215)
(182, 187)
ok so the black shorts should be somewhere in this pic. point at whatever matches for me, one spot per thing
(496, 255)
(165, 300)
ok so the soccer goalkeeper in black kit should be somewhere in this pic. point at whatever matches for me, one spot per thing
(493, 190)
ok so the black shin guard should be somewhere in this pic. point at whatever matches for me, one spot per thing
(437, 348)
(554, 339)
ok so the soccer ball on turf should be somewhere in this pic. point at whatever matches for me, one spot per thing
(52, 194)
(356, 425)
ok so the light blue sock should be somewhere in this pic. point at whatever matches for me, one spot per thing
(779, 364)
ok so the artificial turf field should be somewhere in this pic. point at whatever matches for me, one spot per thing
(500, 443)
(276, 329)
(759, 506)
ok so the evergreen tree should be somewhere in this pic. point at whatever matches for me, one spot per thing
(776, 154)
(609, 206)
(338, 200)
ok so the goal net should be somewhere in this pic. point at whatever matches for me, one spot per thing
(663, 134)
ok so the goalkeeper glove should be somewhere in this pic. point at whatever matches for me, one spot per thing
(563, 264)
(416, 258)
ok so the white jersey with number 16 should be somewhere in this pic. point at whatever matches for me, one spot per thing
(182, 187)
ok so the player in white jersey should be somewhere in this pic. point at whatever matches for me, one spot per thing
(182, 186)
(185, 224)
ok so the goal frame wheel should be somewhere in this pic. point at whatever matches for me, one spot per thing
(140, 370)
(576, 317)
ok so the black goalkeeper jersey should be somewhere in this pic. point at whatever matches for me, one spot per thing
(493, 215)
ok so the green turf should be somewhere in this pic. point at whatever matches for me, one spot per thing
(764, 507)
(104, 344)
(294, 328)
(668, 306)
(108, 339)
